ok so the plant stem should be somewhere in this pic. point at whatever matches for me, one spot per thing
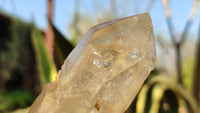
(196, 84)
(178, 63)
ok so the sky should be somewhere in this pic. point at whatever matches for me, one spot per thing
(35, 10)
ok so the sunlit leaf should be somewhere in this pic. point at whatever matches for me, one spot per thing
(142, 96)
(188, 73)
(177, 89)
(45, 64)
(157, 95)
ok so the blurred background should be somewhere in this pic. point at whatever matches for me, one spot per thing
(36, 37)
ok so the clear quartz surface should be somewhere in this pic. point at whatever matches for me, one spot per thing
(105, 71)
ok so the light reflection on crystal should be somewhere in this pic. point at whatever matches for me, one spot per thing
(101, 64)
(114, 84)
(134, 55)
(96, 53)
(96, 62)
(106, 64)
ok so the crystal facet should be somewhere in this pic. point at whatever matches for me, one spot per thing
(105, 71)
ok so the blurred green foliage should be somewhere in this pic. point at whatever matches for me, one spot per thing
(14, 45)
(163, 95)
(16, 64)
(26, 66)
(9, 100)
(188, 73)
(45, 63)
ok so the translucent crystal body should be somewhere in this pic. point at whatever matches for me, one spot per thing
(105, 71)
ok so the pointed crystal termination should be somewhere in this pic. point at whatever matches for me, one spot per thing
(105, 71)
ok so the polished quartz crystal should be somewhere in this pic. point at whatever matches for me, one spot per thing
(105, 71)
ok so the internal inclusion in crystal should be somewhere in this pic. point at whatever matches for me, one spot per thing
(101, 64)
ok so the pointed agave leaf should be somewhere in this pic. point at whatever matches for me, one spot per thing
(62, 46)
(157, 95)
(163, 92)
(45, 64)
(142, 98)
(176, 90)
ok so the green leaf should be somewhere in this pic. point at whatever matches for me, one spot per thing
(62, 46)
(188, 73)
(157, 95)
(142, 98)
(9, 100)
(45, 64)
(164, 95)
(177, 89)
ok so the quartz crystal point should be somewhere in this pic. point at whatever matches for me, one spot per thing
(105, 71)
